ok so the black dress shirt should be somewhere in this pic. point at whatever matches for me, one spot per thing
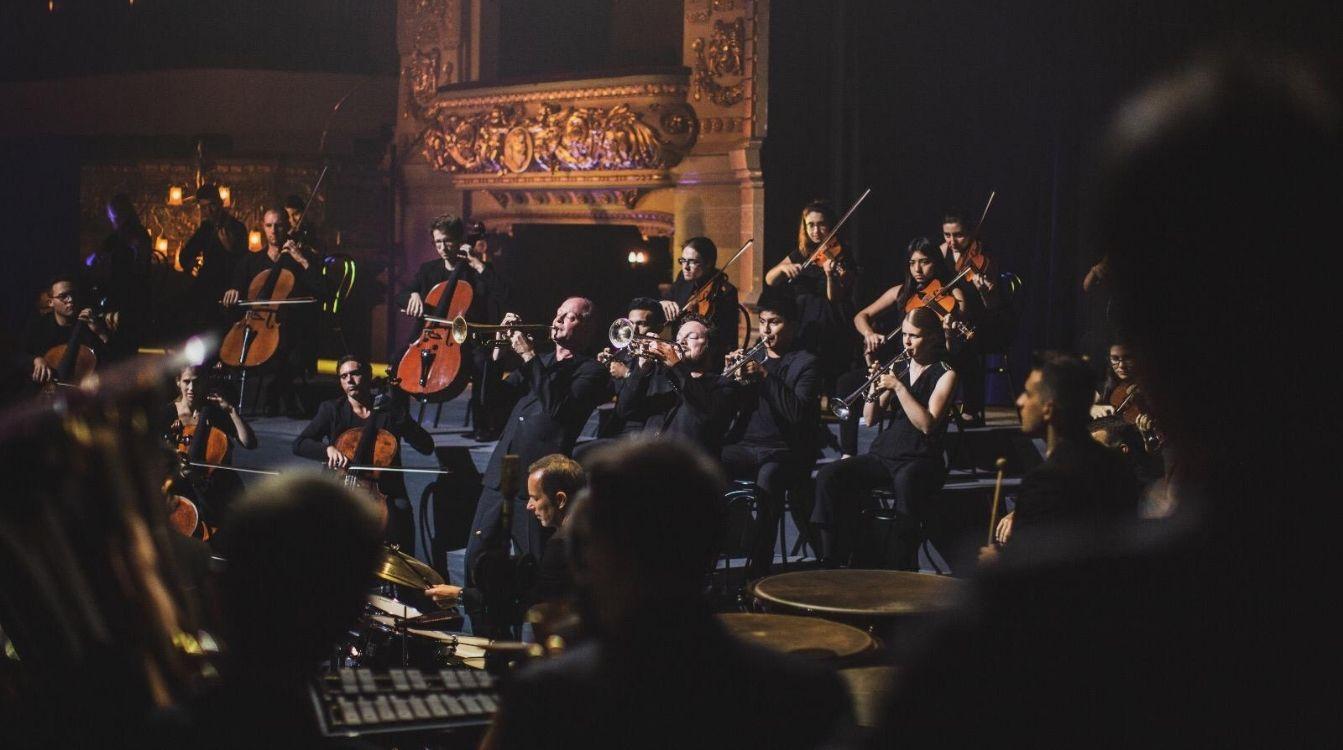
(336, 416)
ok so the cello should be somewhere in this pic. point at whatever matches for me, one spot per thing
(200, 447)
(369, 449)
(432, 364)
(72, 361)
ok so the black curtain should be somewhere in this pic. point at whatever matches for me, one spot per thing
(934, 103)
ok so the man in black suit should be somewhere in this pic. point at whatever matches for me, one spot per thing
(560, 391)
(772, 440)
(660, 671)
(464, 253)
(217, 245)
(1083, 492)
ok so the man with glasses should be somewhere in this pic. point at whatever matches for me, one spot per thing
(47, 331)
(698, 261)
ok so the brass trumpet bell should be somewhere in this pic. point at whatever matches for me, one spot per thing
(462, 330)
(622, 335)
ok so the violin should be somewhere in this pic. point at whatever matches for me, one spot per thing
(702, 301)
(937, 297)
(432, 364)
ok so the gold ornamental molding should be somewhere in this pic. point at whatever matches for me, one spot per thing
(649, 223)
(623, 132)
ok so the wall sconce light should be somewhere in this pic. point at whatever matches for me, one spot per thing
(161, 246)
(637, 257)
(225, 195)
(254, 241)
(175, 195)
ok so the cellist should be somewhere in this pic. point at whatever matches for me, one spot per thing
(353, 409)
(56, 329)
(297, 352)
(201, 407)
(457, 247)
(698, 261)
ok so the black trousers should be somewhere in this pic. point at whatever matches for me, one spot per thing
(848, 428)
(775, 471)
(844, 490)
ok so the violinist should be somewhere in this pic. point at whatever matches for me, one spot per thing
(468, 252)
(353, 410)
(307, 232)
(687, 398)
(923, 266)
(698, 262)
(983, 300)
(218, 244)
(906, 456)
(823, 292)
(57, 329)
(773, 436)
(297, 353)
(203, 406)
(1120, 416)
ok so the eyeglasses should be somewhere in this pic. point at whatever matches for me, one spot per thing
(690, 262)
(1119, 360)
(65, 296)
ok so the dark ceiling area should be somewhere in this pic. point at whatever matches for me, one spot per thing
(88, 37)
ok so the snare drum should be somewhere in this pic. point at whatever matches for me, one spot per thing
(382, 637)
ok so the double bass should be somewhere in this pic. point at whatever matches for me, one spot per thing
(432, 364)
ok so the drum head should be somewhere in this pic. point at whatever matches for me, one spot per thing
(807, 637)
(391, 607)
(862, 594)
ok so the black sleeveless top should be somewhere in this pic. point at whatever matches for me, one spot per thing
(902, 440)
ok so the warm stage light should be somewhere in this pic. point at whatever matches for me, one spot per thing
(254, 241)
(225, 195)
(161, 246)
(174, 195)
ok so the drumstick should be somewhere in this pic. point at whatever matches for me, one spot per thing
(1001, 465)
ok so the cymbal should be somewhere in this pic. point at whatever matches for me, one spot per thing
(807, 637)
(404, 570)
(863, 594)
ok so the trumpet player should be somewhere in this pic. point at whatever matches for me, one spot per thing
(559, 390)
(679, 388)
(906, 456)
(773, 437)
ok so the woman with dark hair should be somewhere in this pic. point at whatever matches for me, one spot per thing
(698, 261)
(923, 265)
(907, 456)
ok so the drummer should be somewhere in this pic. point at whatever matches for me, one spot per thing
(552, 483)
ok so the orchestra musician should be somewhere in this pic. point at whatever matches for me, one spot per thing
(906, 456)
(1120, 416)
(647, 317)
(699, 261)
(1084, 493)
(823, 292)
(297, 354)
(553, 482)
(218, 244)
(559, 391)
(304, 231)
(54, 329)
(689, 398)
(456, 247)
(199, 404)
(119, 272)
(773, 436)
(353, 410)
(982, 298)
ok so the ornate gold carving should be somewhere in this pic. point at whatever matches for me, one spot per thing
(422, 73)
(553, 137)
(427, 19)
(649, 223)
(721, 57)
(699, 11)
(616, 197)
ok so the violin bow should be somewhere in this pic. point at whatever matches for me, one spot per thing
(321, 151)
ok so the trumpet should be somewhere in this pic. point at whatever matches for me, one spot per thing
(747, 356)
(622, 335)
(844, 407)
(484, 333)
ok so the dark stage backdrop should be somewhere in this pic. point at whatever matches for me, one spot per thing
(933, 103)
(39, 209)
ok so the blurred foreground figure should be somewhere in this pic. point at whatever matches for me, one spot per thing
(660, 671)
(1195, 627)
(301, 558)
